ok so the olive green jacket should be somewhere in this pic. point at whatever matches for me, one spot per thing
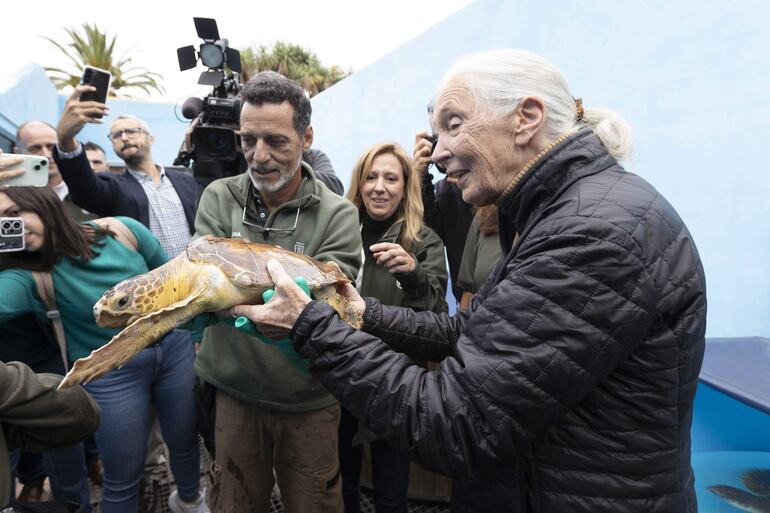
(422, 289)
(238, 364)
(34, 416)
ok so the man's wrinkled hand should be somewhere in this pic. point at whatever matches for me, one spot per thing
(276, 318)
(75, 116)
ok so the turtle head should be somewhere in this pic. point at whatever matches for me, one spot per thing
(130, 299)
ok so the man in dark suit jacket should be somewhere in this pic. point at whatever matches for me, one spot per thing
(163, 200)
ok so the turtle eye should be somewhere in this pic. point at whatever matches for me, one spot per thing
(122, 302)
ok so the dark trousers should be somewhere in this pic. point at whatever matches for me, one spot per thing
(390, 471)
(30, 468)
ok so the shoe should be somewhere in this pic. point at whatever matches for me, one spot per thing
(32, 492)
(177, 505)
(95, 471)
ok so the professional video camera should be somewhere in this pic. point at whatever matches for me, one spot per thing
(215, 148)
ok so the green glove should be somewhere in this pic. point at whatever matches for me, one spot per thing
(284, 344)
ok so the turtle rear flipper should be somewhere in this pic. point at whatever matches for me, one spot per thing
(758, 481)
(126, 344)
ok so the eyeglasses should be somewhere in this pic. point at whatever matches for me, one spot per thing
(131, 133)
(279, 231)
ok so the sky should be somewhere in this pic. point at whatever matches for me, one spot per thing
(346, 33)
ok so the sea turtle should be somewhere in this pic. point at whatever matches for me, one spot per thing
(213, 274)
(756, 480)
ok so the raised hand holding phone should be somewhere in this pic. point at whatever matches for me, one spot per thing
(75, 116)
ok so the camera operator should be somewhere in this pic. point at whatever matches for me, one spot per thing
(269, 413)
(323, 170)
(163, 200)
(445, 211)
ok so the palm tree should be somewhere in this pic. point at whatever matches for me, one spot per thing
(94, 48)
(291, 61)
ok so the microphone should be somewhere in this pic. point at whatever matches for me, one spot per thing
(192, 107)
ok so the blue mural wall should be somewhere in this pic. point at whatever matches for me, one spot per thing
(691, 78)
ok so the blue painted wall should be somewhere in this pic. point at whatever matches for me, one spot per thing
(28, 94)
(691, 78)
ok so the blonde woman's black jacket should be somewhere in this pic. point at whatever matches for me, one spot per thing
(422, 289)
(570, 381)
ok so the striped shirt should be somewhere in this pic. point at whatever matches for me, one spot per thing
(167, 220)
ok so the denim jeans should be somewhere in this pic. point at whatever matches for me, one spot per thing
(66, 469)
(161, 375)
(390, 471)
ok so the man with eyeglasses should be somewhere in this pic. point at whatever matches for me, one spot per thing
(163, 200)
(271, 414)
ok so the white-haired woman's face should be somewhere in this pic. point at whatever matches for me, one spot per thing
(476, 148)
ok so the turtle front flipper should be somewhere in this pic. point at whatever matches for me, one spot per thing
(126, 344)
(344, 308)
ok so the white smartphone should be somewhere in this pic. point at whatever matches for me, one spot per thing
(35, 172)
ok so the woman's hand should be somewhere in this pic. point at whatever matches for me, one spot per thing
(276, 318)
(393, 257)
(7, 163)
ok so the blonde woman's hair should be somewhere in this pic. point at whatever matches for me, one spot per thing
(410, 210)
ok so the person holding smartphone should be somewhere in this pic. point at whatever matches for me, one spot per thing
(162, 200)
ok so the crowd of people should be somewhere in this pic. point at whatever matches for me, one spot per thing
(565, 382)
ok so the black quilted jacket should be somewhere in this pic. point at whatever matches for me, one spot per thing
(568, 386)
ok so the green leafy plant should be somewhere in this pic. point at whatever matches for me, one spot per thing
(92, 47)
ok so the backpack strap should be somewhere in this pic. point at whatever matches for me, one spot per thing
(47, 295)
(122, 233)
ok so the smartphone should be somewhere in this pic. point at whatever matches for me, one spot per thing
(98, 78)
(11, 234)
(35, 172)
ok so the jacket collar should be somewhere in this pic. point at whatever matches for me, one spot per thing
(576, 156)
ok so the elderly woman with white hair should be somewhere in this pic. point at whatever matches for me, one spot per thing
(568, 384)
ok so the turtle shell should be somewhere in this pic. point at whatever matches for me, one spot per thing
(245, 262)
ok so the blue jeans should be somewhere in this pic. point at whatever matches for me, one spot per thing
(66, 469)
(161, 375)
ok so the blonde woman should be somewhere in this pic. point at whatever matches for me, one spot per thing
(403, 266)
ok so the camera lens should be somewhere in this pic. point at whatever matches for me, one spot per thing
(5, 226)
(220, 143)
(16, 225)
(37, 167)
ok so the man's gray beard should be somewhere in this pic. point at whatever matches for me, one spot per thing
(276, 186)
